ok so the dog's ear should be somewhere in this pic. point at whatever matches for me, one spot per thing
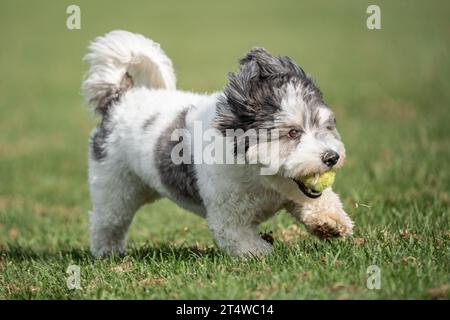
(258, 55)
(270, 66)
(256, 84)
(253, 94)
(261, 61)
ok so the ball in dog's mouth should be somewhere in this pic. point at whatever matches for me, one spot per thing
(311, 193)
(313, 185)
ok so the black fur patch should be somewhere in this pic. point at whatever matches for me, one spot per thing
(104, 101)
(149, 122)
(180, 179)
(314, 118)
(254, 93)
(98, 141)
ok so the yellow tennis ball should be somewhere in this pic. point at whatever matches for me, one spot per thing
(320, 182)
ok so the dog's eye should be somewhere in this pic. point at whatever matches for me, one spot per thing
(294, 133)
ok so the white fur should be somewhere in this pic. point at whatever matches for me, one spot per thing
(236, 198)
(306, 158)
(118, 52)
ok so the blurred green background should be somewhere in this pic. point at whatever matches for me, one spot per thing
(388, 87)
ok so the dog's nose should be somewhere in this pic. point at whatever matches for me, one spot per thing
(330, 158)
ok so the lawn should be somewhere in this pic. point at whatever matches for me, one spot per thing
(390, 89)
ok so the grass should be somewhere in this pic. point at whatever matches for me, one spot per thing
(389, 89)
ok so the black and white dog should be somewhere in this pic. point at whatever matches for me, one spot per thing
(148, 125)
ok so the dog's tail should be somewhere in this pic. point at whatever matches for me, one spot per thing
(120, 60)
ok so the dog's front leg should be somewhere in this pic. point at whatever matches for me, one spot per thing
(235, 234)
(324, 216)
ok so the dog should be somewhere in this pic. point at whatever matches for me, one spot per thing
(131, 84)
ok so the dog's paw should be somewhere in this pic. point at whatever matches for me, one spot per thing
(108, 251)
(256, 248)
(330, 224)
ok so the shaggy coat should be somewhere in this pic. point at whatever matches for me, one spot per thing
(131, 85)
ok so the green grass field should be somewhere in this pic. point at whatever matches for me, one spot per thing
(390, 89)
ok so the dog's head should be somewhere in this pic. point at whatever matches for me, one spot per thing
(275, 94)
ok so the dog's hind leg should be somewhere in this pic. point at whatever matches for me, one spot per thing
(115, 199)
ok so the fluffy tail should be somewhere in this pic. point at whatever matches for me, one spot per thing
(120, 60)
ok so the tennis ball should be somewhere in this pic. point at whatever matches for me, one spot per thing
(320, 182)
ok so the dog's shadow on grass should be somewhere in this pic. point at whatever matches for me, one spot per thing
(15, 252)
